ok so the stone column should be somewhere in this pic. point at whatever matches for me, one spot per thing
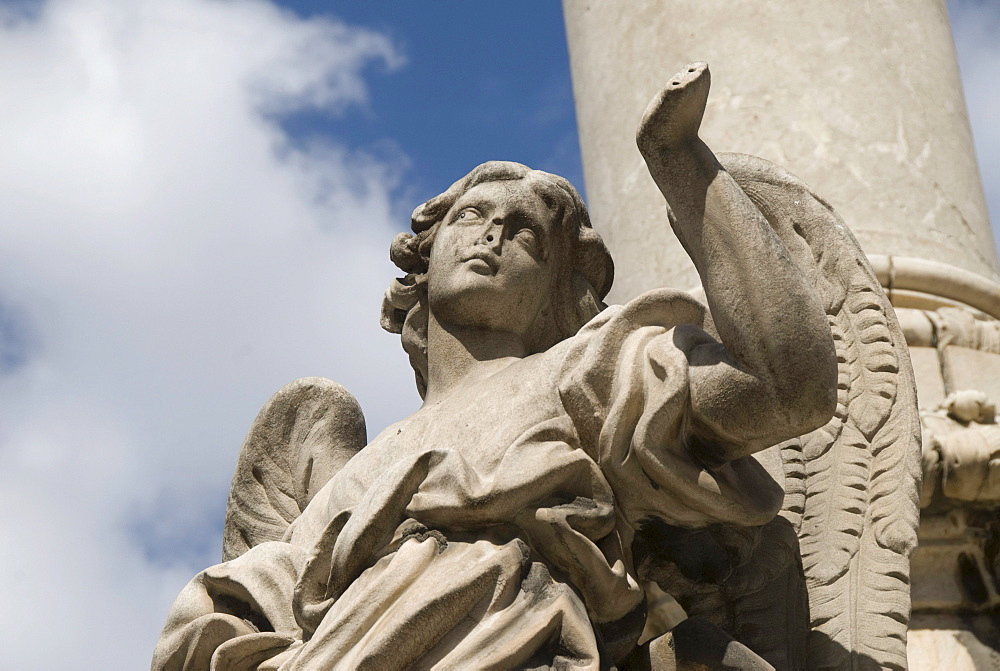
(863, 101)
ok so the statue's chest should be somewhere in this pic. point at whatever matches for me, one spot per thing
(481, 421)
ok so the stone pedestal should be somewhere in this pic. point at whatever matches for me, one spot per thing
(863, 101)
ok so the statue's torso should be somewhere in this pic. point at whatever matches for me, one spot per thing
(479, 421)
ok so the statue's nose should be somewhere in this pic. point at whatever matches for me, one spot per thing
(492, 235)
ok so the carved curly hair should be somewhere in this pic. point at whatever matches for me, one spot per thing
(579, 287)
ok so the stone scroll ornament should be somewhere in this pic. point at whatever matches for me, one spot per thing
(728, 482)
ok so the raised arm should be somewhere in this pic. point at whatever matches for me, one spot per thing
(774, 376)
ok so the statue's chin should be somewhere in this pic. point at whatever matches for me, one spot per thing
(482, 301)
(484, 319)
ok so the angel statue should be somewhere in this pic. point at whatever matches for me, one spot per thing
(580, 478)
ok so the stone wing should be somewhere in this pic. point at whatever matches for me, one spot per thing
(851, 486)
(302, 436)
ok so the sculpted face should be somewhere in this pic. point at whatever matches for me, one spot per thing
(493, 258)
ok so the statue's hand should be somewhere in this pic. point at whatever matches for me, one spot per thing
(674, 115)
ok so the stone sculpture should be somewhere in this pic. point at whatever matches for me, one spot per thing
(842, 102)
(577, 470)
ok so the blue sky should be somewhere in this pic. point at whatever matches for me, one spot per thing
(496, 76)
(197, 198)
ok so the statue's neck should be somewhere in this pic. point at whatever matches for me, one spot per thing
(459, 356)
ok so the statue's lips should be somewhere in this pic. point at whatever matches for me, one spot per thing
(482, 262)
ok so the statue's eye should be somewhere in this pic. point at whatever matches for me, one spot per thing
(527, 234)
(528, 238)
(468, 214)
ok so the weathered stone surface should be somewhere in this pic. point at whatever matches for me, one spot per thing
(950, 551)
(956, 571)
(699, 645)
(568, 453)
(300, 439)
(862, 100)
(950, 650)
(927, 372)
(972, 369)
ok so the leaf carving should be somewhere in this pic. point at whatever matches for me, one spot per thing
(794, 469)
(873, 361)
(857, 518)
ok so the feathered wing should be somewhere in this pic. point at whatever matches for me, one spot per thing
(851, 486)
(302, 436)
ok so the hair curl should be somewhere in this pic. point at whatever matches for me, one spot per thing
(579, 287)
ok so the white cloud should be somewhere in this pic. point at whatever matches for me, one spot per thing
(174, 259)
(975, 26)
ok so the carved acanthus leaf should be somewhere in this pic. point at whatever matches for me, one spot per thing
(861, 471)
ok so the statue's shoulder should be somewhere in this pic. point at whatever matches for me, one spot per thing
(666, 308)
